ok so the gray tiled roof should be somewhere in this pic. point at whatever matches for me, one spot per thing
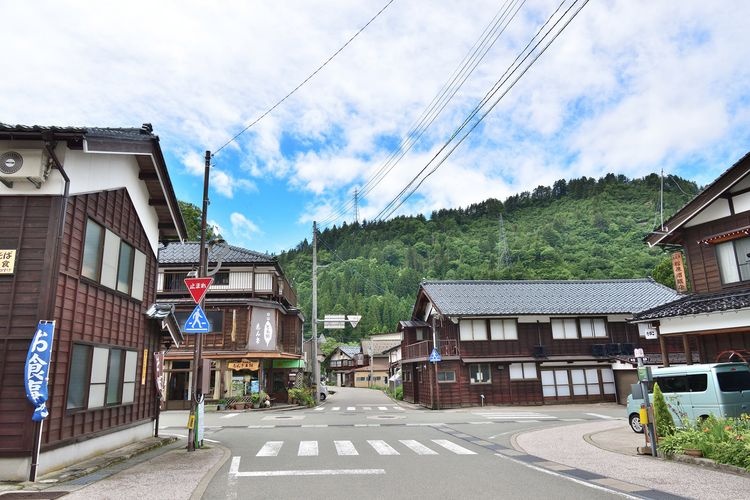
(481, 298)
(350, 350)
(187, 253)
(378, 346)
(143, 133)
(703, 303)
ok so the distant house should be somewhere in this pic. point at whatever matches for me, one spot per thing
(82, 212)
(713, 231)
(256, 328)
(375, 370)
(341, 363)
(525, 342)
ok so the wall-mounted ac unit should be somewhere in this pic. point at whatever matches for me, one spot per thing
(29, 165)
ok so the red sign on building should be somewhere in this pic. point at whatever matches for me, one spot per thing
(198, 287)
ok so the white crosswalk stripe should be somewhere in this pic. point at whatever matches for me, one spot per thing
(363, 408)
(451, 446)
(345, 448)
(382, 447)
(417, 447)
(382, 408)
(308, 449)
(270, 449)
(520, 415)
(351, 408)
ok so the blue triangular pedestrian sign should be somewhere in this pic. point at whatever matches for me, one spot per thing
(435, 356)
(197, 322)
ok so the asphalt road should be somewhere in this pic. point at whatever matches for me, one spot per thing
(359, 443)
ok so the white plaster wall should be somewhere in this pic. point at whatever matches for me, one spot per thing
(92, 172)
(17, 469)
(705, 322)
(716, 210)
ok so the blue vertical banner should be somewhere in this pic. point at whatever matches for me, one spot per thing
(36, 372)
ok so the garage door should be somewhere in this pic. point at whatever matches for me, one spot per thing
(578, 384)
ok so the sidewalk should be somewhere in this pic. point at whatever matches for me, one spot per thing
(604, 453)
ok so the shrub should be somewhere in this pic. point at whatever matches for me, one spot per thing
(302, 396)
(399, 393)
(726, 441)
(662, 417)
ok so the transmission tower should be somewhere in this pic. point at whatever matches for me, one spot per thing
(503, 252)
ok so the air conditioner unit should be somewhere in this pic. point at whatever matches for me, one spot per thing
(31, 165)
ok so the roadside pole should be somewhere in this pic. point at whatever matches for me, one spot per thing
(644, 377)
(316, 367)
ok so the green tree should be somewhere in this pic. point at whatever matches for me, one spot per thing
(192, 215)
(663, 420)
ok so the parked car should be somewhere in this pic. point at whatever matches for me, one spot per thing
(694, 392)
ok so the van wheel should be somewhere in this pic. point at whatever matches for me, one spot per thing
(635, 423)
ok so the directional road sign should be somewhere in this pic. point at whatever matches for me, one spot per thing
(197, 322)
(198, 287)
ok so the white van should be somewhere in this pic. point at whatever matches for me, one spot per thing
(694, 392)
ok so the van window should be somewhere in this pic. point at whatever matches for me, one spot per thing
(733, 381)
(683, 383)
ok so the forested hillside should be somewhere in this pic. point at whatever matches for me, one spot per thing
(579, 229)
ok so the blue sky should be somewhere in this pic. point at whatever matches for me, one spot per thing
(629, 87)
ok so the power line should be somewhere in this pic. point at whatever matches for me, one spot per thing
(491, 33)
(295, 89)
(394, 204)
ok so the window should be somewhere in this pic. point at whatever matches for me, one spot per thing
(480, 373)
(473, 329)
(446, 376)
(503, 329)
(419, 332)
(112, 262)
(564, 328)
(221, 278)
(522, 371)
(572, 328)
(406, 374)
(732, 381)
(101, 376)
(592, 328)
(92, 250)
(733, 260)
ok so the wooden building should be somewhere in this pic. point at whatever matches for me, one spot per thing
(526, 342)
(82, 212)
(341, 365)
(713, 233)
(256, 338)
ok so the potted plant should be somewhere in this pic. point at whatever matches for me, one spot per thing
(222, 405)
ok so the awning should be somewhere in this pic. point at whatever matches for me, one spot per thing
(165, 314)
(288, 363)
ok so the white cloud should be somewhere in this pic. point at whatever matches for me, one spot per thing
(631, 86)
(242, 227)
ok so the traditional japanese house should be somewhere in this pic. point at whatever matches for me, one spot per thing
(82, 212)
(525, 342)
(255, 341)
(341, 364)
(713, 232)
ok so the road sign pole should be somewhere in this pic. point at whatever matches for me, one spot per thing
(196, 384)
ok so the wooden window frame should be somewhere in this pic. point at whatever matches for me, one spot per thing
(470, 323)
(451, 380)
(578, 330)
(502, 322)
(525, 367)
(474, 380)
(88, 383)
(99, 250)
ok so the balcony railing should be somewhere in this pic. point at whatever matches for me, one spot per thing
(342, 363)
(424, 348)
(258, 283)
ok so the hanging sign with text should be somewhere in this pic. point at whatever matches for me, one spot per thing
(36, 372)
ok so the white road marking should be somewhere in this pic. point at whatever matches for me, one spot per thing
(314, 425)
(345, 448)
(366, 408)
(211, 440)
(382, 447)
(350, 408)
(481, 423)
(417, 447)
(308, 449)
(320, 408)
(451, 446)
(234, 472)
(229, 415)
(366, 425)
(336, 408)
(270, 449)
(605, 417)
(382, 408)
(261, 426)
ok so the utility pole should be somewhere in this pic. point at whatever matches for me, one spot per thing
(196, 389)
(316, 367)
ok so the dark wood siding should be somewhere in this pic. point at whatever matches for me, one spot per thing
(29, 225)
(701, 259)
(90, 313)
